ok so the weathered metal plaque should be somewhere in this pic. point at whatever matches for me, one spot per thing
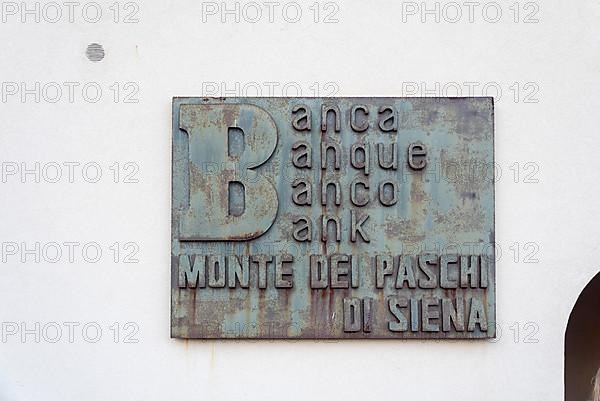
(333, 218)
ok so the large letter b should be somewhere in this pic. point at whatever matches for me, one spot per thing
(213, 167)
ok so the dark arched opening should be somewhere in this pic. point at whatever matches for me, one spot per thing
(582, 343)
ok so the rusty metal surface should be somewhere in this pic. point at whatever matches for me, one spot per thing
(333, 218)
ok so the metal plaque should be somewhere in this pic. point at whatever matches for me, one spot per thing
(333, 218)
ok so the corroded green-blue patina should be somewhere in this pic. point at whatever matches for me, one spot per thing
(333, 218)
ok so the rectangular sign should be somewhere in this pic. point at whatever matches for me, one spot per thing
(333, 218)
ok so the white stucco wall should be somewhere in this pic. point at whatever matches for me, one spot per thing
(370, 52)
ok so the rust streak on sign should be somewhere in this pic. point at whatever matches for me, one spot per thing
(333, 218)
